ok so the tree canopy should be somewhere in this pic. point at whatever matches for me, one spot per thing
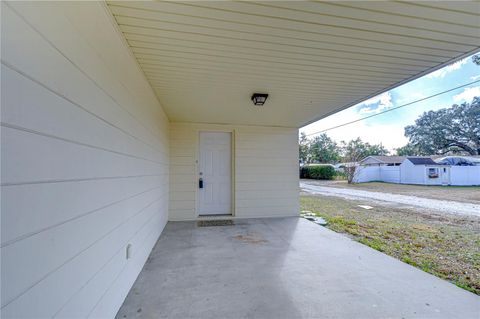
(453, 130)
(303, 148)
(409, 150)
(322, 149)
(445, 131)
(476, 59)
(356, 150)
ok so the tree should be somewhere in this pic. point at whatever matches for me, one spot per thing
(476, 59)
(356, 150)
(376, 149)
(409, 150)
(450, 130)
(303, 145)
(352, 152)
(323, 150)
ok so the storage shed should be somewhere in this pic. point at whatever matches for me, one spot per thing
(425, 171)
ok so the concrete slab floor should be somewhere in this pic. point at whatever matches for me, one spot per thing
(283, 268)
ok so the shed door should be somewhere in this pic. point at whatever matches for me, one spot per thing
(215, 172)
(445, 173)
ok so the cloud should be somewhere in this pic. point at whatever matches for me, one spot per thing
(391, 135)
(449, 68)
(376, 104)
(410, 98)
(467, 95)
(475, 77)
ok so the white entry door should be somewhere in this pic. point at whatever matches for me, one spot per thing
(215, 171)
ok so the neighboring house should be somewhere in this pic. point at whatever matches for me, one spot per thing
(418, 170)
(118, 117)
(377, 160)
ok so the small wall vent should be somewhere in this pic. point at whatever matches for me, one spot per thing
(128, 251)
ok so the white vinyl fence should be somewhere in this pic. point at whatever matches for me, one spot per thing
(465, 175)
(390, 174)
(459, 175)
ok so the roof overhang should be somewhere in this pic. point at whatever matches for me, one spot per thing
(372, 159)
(205, 59)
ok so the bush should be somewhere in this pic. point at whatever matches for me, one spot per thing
(317, 172)
(340, 175)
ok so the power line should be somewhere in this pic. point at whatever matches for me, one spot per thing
(393, 108)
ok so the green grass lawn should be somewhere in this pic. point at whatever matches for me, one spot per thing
(447, 246)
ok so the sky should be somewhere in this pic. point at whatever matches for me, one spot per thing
(388, 128)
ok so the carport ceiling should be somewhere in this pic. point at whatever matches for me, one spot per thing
(205, 59)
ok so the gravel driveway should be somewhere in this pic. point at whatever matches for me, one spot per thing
(451, 207)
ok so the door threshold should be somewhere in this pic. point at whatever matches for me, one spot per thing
(213, 217)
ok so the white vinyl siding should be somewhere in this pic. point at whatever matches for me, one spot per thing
(265, 170)
(85, 155)
(90, 163)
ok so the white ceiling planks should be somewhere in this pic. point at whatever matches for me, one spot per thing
(205, 58)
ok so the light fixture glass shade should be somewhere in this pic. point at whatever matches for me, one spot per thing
(259, 98)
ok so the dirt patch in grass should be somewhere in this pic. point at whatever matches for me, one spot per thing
(447, 246)
(469, 194)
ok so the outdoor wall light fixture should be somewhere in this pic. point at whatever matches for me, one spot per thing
(259, 98)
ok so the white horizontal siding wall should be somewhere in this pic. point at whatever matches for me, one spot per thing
(85, 155)
(265, 170)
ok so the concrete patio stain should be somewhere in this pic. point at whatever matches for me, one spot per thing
(250, 239)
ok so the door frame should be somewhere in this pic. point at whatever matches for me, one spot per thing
(232, 171)
(446, 172)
